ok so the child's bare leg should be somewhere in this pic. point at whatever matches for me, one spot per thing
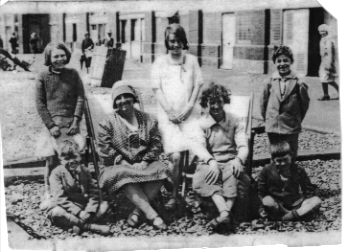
(271, 205)
(230, 203)
(309, 205)
(222, 207)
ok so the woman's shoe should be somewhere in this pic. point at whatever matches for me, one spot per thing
(158, 223)
(133, 219)
(324, 98)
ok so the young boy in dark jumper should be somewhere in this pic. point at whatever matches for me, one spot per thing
(74, 199)
(284, 188)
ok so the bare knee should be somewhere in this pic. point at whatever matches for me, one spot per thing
(269, 202)
(175, 158)
(57, 212)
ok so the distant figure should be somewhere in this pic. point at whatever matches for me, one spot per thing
(1, 43)
(87, 49)
(109, 41)
(14, 43)
(33, 42)
(327, 70)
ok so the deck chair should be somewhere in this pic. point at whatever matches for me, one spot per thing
(241, 106)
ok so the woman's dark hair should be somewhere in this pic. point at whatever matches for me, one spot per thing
(282, 50)
(48, 52)
(213, 92)
(179, 33)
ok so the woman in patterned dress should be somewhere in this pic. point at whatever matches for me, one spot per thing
(129, 146)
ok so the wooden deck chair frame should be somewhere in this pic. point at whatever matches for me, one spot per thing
(251, 132)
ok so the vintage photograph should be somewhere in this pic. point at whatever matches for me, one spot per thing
(161, 124)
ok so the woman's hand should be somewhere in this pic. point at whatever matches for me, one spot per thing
(74, 128)
(213, 173)
(140, 166)
(118, 159)
(55, 131)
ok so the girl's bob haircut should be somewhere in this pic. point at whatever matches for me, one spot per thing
(282, 50)
(179, 33)
(48, 52)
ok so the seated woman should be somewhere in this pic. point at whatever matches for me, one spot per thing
(129, 146)
(220, 174)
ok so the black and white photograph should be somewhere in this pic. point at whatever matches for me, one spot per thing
(159, 124)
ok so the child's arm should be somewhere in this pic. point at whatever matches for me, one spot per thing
(198, 83)
(308, 189)
(77, 116)
(59, 195)
(264, 99)
(304, 99)
(156, 86)
(41, 103)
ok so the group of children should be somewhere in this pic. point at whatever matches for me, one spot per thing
(284, 188)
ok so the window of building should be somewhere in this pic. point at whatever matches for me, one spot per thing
(74, 32)
(123, 31)
(244, 29)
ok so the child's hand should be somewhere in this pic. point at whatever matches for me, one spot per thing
(237, 167)
(173, 117)
(84, 216)
(74, 128)
(55, 131)
(185, 114)
(213, 173)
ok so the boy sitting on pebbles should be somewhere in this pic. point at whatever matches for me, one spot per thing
(284, 188)
(74, 195)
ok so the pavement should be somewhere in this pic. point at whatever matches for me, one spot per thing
(322, 116)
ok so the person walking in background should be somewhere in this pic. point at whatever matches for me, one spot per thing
(14, 43)
(284, 101)
(109, 41)
(327, 71)
(176, 80)
(87, 49)
(33, 42)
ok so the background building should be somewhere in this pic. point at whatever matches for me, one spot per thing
(227, 34)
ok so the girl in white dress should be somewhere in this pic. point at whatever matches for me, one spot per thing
(177, 81)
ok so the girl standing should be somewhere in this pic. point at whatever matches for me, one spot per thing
(177, 81)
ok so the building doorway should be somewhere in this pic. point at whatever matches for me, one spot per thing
(228, 40)
(316, 19)
(296, 36)
(38, 23)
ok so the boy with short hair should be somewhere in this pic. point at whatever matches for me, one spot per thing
(74, 195)
(279, 186)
